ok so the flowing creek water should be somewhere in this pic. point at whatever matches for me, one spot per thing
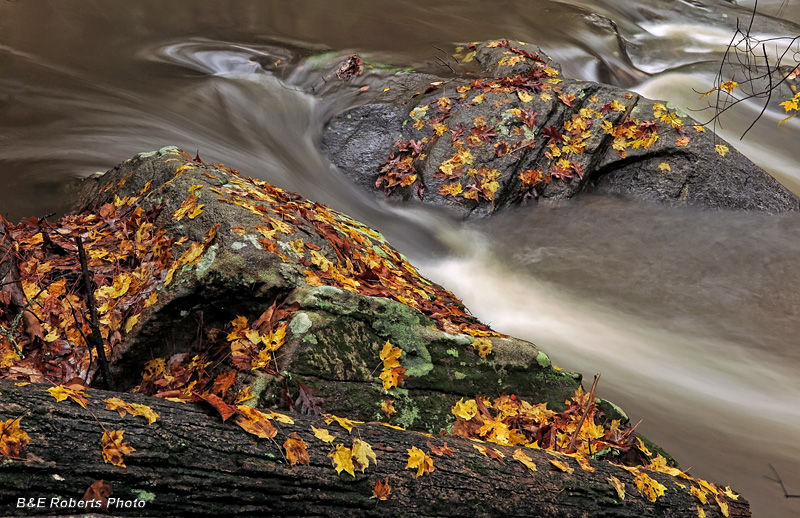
(691, 316)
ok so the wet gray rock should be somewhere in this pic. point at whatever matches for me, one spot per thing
(525, 133)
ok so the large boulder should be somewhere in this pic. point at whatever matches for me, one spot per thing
(212, 283)
(523, 132)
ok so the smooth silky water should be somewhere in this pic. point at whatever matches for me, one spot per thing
(690, 315)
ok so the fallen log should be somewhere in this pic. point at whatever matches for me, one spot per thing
(190, 463)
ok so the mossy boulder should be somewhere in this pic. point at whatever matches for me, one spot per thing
(215, 285)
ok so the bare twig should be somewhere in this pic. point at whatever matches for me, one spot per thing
(589, 405)
(749, 55)
(95, 339)
(779, 480)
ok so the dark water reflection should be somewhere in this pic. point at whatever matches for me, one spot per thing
(691, 316)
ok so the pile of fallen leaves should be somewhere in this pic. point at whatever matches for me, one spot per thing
(131, 259)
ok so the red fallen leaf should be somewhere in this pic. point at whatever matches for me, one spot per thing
(224, 409)
(307, 401)
(223, 382)
(364, 88)
(99, 491)
(553, 134)
(197, 157)
(528, 118)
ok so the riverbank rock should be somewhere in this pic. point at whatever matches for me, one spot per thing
(523, 132)
(214, 284)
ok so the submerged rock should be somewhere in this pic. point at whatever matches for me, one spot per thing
(214, 284)
(525, 133)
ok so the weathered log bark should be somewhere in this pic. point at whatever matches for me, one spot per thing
(189, 463)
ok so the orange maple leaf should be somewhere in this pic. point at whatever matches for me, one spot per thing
(255, 422)
(382, 489)
(114, 448)
(296, 450)
(12, 438)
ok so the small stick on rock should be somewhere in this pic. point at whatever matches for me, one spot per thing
(95, 339)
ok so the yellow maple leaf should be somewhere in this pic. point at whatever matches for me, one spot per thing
(483, 345)
(728, 86)
(723, 506)
(419, 460)
(617, 106)
(659, 464)
(73, 392)
(196, 211)
(345, 423)
(700, 494)
(730, 494)
(387, 407)
(114, 448)
(465, 410)
(700, 512)
(189, 204)
(323, 434)
(583, 462)
(451, 189)
(791, 104)
(143, 411)
(281, 418)
(522, 457)
(524, 96)
(12, 438)
(132, 321)
(618, 485)
(478, 99)
(563, 466)
(342, 459)
(390, 356)
(392, 378)
(649, 487)
(721, 149)
(151, 299)
(362, 453)
(296, 450)
(642, 447)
